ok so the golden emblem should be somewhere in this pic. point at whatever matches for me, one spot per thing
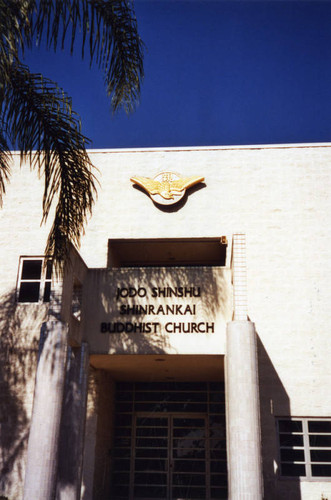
(166, 188)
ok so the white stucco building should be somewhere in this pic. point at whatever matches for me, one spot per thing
(186, 353)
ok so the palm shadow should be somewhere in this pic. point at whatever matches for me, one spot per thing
(18, 362)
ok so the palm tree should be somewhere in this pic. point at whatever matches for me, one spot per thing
(36, 116)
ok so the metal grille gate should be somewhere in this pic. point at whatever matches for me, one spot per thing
(169, 441)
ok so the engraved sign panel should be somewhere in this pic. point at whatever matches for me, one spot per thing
(146, 310)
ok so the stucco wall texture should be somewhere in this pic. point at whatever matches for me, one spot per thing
(279, 196)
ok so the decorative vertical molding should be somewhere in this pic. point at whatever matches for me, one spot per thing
(239, 277)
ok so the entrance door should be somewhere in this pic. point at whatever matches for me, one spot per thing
(169, 460)
(169, 441)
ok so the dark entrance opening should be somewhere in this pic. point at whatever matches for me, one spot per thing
(164, 252)
(169, 441)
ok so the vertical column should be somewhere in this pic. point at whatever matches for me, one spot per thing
(72, 425)
(242, 390)
(40, 477)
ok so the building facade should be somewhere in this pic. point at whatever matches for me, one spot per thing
(185, 353)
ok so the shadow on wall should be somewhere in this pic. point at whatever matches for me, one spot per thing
(72, 424)
(21, 339)
(19, 335)
(210, 293)
(274, 402)
(100, 421)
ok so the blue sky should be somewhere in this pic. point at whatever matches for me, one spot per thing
(216, 73)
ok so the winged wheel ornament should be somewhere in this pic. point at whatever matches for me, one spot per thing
(166, 188)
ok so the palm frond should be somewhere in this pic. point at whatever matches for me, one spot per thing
(5, 158)
(109, 28)
(15, 28)
(45, 129)
(119, 52)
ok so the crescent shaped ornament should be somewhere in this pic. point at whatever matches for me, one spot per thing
(166, 188)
